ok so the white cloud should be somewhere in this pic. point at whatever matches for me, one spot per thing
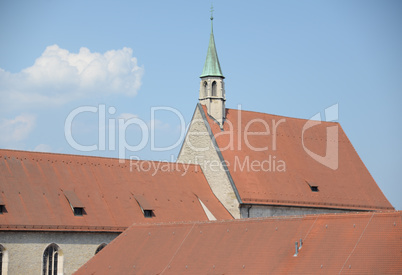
(16, 129)
(157, 124)
(127, 116)
(59, 76)
(43, 148)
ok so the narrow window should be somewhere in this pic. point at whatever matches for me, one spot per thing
(205, 93)
(51, 260)
(3, 260)
(214, 88)
(100, 247)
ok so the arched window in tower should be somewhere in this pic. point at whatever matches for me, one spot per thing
(52, 262)
(204, 89)
(100, 247)
(214, 88)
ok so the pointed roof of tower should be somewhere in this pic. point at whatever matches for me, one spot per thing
(212, 66)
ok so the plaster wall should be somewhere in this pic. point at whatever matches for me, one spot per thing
(255, 211)
(25, 249)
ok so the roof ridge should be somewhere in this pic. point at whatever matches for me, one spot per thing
(296, 118)
(262, 219)
(2, 151)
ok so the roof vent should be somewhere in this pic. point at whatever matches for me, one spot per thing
(297, 250)
(76, 205)
(145, 206)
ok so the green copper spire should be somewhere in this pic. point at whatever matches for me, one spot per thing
(212, 66)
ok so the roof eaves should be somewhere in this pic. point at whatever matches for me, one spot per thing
(328, 205)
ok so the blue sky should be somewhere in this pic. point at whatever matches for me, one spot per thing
(291, 58)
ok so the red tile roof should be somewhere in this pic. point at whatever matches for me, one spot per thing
(361, 243)
(350, 186)
(40, 189)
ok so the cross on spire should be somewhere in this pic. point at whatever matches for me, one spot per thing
(212, 12)
(212, 66)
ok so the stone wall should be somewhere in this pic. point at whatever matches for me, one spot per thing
(198, 148)
(25, 249)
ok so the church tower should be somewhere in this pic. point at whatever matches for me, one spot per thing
(212, 86)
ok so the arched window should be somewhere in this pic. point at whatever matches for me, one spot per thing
(204, 89)
(102, 246)
(214, 88)
(52, 262)
(3, 260)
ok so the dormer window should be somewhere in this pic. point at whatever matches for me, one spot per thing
(148, 213)
(313, 187)
(2, 206)
(145, 206)
(76, 205)
(78, 211)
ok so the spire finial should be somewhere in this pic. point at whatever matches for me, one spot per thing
(212, 66)
(212, 12)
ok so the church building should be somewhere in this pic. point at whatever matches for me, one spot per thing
(299, 179)
(267, 165)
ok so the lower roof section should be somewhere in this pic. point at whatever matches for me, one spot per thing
(361, 243)
(43, 191)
